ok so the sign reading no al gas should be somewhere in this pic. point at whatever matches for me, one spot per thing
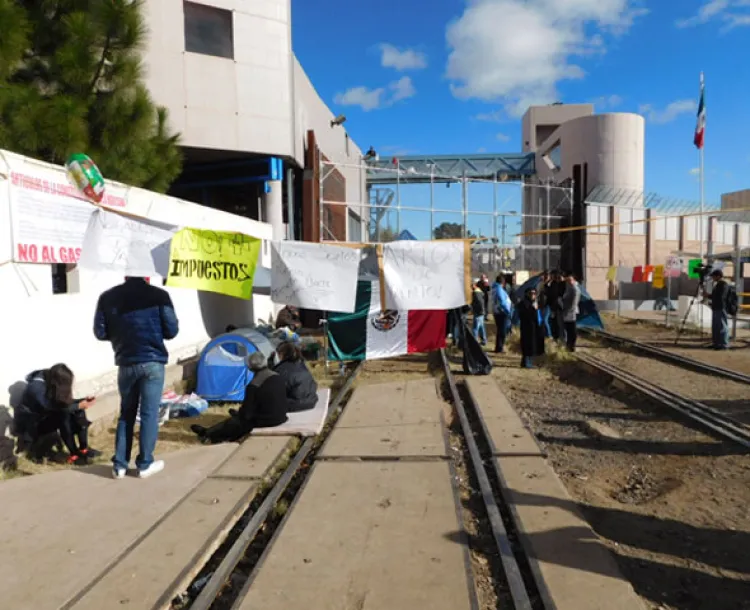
(214, 261)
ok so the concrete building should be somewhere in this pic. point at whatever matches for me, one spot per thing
(603, 154)
(254, 131)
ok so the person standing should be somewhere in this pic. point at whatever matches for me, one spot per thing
(570, 302)
(485, 287)
(542, 292)
(554, 297)
(719, 318)
(532, 333)
(502, 310)
(479, 312)
(136, 318)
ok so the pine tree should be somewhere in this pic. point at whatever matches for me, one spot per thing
(71, 81)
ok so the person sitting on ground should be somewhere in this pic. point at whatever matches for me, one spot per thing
(532, 333)
(264, 406)
(301, 388)
(47, 407)
(289, 317)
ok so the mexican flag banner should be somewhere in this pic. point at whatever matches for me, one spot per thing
(369, 333)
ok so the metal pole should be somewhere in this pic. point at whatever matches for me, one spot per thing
(398, 196)
(432, 201)
(502, 255)
(737, 275)
(701, 174)
(494, 209)
(465, 203)
(321, 207)
(619, 297)
(547, 236)
(669, 297)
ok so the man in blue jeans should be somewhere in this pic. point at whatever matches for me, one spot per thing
(136, 318)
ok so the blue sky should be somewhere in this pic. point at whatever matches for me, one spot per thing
(453, 76)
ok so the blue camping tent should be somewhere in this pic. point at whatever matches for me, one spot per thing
(222, 372)
(588, 315)
(406, 235)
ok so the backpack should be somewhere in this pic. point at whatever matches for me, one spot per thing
(732, 302)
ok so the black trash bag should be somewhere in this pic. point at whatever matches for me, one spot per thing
(476, 361)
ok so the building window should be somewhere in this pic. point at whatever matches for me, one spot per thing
(553, 158)
(631, 221)
(355, 228)
(59, 279)
(597, 215)
(208, 30)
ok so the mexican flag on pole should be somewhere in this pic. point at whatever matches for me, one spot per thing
(369, 333)
(700, 126)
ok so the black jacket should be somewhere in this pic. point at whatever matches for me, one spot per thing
(35, 406)
(719, 296)
(478, 305)
(265, 403)
(301, 388)
(136, 318)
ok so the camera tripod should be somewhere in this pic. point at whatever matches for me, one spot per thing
(699, 291)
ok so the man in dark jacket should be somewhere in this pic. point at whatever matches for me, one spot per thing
(136, 318)
(264, 406)
(719, 319)
(479, 311)
(553, 295)
(301, 387)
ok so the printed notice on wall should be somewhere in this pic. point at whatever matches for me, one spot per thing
(214, 261)
(49, 215)
(314, 276)
(425, 275)
(128, 246)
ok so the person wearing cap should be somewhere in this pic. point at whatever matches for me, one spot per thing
(264, 406)
(719, 320)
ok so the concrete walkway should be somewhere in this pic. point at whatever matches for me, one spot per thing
(79, 539)
(379, 533)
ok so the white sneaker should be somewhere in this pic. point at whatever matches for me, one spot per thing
(155, 467)
(119, 473)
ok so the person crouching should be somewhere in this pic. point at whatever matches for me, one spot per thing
(264, 406)
(48, 409)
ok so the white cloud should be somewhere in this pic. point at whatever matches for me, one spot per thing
(402, 60)
(373, 99)
(517, 51)
(607, 102)
(694, 171)
(496, 116)
(732, 13)
(501, 137)
(670, 112)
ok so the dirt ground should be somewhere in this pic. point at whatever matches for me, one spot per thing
(691, 343)
(672, 503)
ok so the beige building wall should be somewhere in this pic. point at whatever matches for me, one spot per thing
(736, 200)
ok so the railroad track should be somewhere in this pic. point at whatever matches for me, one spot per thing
(520, 580)
(712, 420)
(667, 356)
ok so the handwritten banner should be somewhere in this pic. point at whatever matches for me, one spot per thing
(315, 276)
(214, 261)
(128, 246)
(425, 275)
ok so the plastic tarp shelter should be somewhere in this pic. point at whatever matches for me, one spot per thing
(406, 235)
(222, 370)
(588, 315)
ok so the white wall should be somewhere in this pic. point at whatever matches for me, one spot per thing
(38, 328)
(241, 104)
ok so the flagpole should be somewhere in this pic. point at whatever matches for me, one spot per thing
(702, 176)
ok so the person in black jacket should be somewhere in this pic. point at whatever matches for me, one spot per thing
(479, 310)
(301, 388)
(532, 332)
(553, 295)
(264, 406)
(719, 319)
(47, 407)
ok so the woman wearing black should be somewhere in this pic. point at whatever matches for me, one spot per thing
(301, 388)
(47, 407)
(532, 332)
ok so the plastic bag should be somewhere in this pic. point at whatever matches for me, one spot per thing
(189, 405)
(475, 361)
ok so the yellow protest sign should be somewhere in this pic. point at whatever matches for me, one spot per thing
(658, 281)
(214, 261)
(611, 274)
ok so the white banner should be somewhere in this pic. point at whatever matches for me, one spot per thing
(314, 276)
(128, 246)
(49, 215)
(425, 275)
